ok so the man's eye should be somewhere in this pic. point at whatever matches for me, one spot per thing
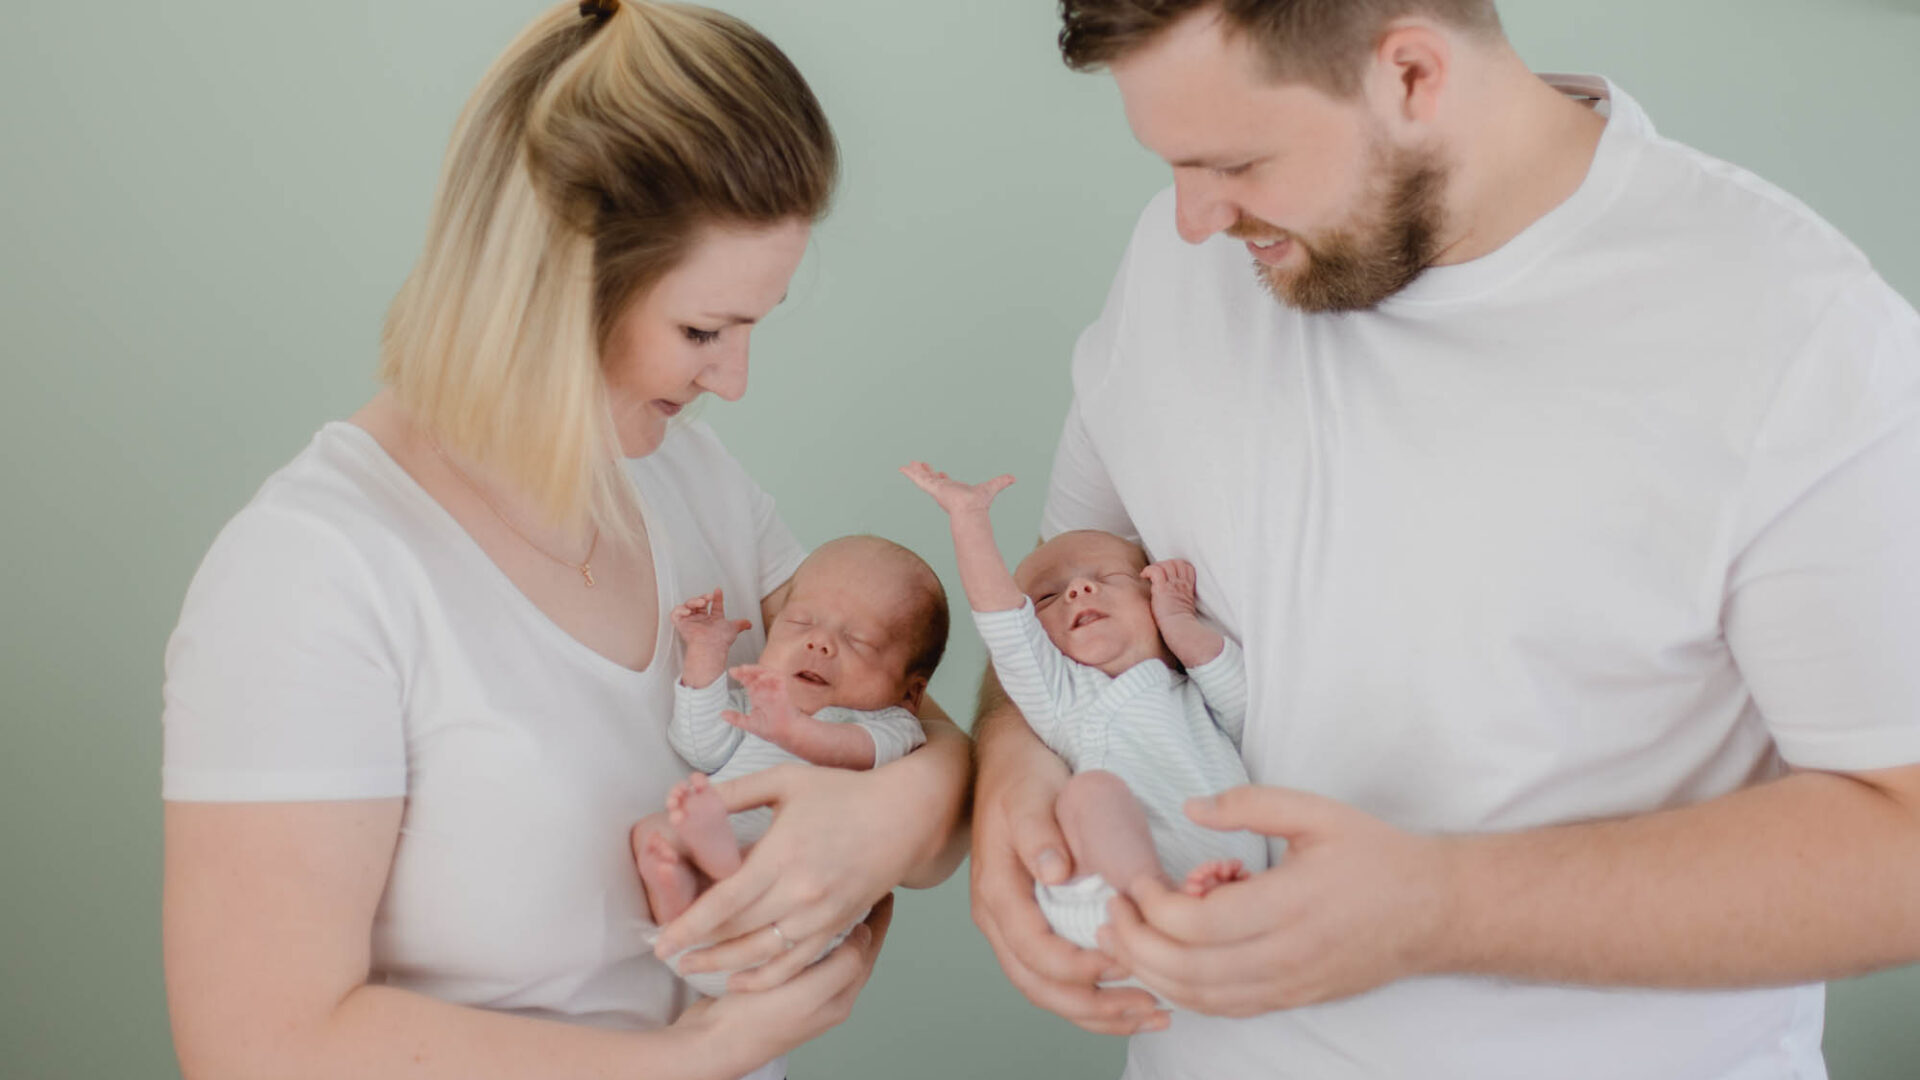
(699, 336)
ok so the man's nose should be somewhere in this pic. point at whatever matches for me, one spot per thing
(1199, 210)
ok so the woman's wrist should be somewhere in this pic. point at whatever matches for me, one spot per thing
(930, 787)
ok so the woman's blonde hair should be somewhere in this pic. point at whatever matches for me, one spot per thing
(582, 170)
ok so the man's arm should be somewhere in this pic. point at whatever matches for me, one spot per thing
(1813, 876)
(1016, 840)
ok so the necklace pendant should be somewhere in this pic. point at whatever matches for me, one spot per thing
(586, 571)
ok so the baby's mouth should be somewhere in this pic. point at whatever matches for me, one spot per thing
(1086, 618)
(810, 678)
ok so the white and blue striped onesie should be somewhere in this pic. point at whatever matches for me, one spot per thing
(1170, 737)
(710, 744)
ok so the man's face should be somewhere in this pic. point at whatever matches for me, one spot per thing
(1334, 215)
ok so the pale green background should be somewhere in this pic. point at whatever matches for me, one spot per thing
(205, 206)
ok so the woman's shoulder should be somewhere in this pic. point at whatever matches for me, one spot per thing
(341, 502)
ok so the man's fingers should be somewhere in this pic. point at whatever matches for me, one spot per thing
(1270, 811)
(1038, 841)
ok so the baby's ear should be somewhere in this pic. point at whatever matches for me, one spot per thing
(916, 693)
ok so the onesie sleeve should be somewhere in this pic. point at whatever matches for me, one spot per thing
(1822, 608)
(1033, 671)
(697, 733)
(895, 731)
(281, 678)
(1223, 686)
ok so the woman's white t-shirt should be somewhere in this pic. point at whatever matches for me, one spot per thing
(346, 639)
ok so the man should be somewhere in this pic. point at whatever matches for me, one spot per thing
(1563, 485)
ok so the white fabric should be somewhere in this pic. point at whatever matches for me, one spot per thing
(346, 639)
(1170, 738)
(708, 743)
(1617, 518)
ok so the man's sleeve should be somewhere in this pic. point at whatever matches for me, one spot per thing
(1081, 494)
(1823, 596)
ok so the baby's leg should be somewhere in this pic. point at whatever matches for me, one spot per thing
(665, 873)
(1107, 830)
(699, 816)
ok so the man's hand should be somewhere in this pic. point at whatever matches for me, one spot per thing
(1175, 599)
(1355, 904)
(1015, 840)
(703, 625)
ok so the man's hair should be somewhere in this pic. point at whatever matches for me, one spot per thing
(1323, 43)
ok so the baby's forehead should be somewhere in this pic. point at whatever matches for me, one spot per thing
(873, 589)
(1078, 553)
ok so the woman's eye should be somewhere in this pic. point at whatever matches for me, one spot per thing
(1230, 171)
(699, 336)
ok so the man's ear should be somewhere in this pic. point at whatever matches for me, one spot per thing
(1410, 69)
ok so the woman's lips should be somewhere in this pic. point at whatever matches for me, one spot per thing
(666, 406)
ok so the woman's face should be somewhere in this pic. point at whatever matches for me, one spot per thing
(688, 334)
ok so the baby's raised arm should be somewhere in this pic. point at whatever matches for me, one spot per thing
(703, 625)
(983, 573)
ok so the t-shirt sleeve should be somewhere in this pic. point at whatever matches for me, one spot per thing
(281, 683)
(780, 551)
(1823, 602)
(1080, 494)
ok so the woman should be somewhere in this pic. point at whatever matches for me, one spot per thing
(420, 686)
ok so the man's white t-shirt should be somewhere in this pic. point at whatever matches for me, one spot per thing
(346, 639)
(1623, 516)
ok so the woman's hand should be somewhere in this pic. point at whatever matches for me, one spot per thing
(751, 1028)
(838, 844)
(1356, 904)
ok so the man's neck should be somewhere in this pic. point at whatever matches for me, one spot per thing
(1523, 149)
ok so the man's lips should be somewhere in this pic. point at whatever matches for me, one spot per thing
(1086, 618)
(1273, 253)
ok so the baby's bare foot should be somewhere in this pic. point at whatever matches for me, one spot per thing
(1212, 874)
(699, 815)
(670, 884)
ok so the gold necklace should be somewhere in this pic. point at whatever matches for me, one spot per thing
(584, 567)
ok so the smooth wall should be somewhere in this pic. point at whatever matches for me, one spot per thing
(205, 206)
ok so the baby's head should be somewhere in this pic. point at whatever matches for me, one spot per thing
(1093, 603)
(863, 627)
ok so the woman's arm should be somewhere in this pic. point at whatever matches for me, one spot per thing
(267, 917)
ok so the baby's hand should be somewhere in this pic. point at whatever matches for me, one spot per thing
(773, 716)
(1174, 594)
(953, 496)
(703, 625)
(1175, 602)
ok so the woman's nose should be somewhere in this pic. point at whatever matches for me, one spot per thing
(726, 378)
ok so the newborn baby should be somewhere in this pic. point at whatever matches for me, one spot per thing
(846, 664)
(1084, 638)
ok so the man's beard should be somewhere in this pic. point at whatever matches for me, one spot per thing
(1377, 253)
